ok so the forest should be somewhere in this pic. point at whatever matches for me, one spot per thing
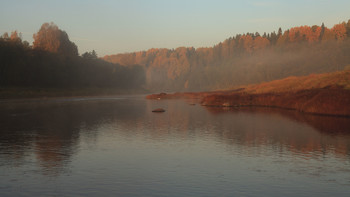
(244, 59)
(53, 62)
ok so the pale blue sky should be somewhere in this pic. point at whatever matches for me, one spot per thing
(118, 26)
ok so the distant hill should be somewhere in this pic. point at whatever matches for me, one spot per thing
(244, 59)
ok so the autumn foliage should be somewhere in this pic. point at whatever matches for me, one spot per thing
(52, 39)
(244, 59)
(250, 58)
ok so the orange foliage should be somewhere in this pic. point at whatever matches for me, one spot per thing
(51, 38)
(15, 36)
(339, 31)
(304, 33)
(226, 64)
(247, 42)
(260, 43)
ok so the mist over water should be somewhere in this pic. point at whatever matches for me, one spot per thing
(118, 147)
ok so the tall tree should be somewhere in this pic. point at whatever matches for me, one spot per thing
(279, 34)
(51, 38)
(322, 32)
(348, 28)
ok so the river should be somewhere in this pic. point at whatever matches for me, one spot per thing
(117, 147)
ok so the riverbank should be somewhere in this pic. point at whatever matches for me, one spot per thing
(328, 101)
(325, 94)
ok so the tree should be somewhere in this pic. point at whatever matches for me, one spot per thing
(256, 34)
(16, 37)
(90, 55)
(247, 43)
(339, 31)
(279, 34)
(260, 43)
(51, 38)
(273, 37)
(322, 32)
(5, 36)
(348, 28)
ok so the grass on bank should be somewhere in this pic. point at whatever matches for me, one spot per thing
(293, 84)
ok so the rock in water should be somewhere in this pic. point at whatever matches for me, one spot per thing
(158, 110)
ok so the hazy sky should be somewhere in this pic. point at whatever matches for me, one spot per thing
(118, 26)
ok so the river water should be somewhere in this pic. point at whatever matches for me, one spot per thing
(118, 147)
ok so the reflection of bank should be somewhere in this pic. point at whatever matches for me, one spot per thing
(285, 130)
(251, 127)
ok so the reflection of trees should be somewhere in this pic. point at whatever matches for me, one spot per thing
(15, 140)
(276, 129)
(53, 129)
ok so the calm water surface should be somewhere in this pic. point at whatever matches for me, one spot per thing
(118, 147)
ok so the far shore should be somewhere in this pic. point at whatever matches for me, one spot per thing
(15, 93)
(325, 94)
(333, 101)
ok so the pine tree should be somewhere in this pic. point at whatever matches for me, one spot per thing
(279, 34)
(322, 32)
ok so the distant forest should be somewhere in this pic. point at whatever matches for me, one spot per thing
(244, 59)
(53, 62)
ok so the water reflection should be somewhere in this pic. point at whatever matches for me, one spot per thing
(51, 129)
(297, 132)
(52, 132)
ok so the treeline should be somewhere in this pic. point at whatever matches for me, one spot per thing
(244, 59)
(53, 62)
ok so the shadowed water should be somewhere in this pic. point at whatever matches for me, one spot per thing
(118, 147)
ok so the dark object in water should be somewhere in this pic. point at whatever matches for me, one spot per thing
(158, 110)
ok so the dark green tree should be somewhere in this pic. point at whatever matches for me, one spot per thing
(347, 26)
(279, 34)
(90, 55)
(322, 32)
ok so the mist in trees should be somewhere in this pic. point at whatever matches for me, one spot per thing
(244, 59)
(53, 62)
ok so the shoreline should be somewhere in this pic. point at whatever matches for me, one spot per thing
(14, 93)
(322, 94)
(330, 101)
